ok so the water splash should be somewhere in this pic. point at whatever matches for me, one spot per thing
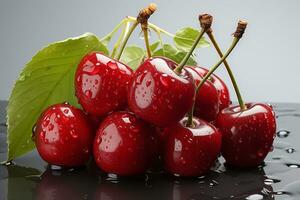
(283, 133)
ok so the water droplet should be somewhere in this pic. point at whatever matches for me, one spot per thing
(271, 180)
(50, 127)
(66, 111)
(213, 183)
(270, 105)
(112, 65)
(112, 177)
(9, 163)
(293, 165)
(66, 103)
(260, 153)
(86, 150)
(46, 122)
(148, 83)
(55, 167)
(255, 197)
(164, 80)
(73, 134)
(88, 93)
(283, 133)
(290, 150)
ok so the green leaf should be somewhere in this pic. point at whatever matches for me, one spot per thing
(154, 46)
(133, 56)
(47, 79)
(185, 37)
(174, 54)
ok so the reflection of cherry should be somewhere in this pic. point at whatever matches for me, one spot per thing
(154, 186)
(227, 185)
(60, 184)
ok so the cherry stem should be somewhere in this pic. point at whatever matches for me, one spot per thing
(146, 38)
(125, 40)
(187, 56)
(205, 22)
(229, 71)
(120, 39)
(142, 18)
(234, 43)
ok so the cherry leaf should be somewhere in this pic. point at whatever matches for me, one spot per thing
(185, 37)
(133, 56)
(174, 54)
(47, 79)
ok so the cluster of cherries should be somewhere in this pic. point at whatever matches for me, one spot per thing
(182, 114)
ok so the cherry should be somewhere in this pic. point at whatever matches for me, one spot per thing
(124, 144)
(247, 134)
(207, 99)
(101, 84)
(64, 136)
(159, 95)
(248, 129)
(191, 151)
(161, 92)
(101, 81)
(219, 84)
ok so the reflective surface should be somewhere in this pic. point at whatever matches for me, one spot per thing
(279, 178)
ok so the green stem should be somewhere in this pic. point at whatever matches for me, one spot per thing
(187, 56)
(109, 35)
(146, 38)
(131, 29)
(120, 39)
(236, 88)
(234, 43)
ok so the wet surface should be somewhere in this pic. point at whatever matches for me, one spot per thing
(278, 178)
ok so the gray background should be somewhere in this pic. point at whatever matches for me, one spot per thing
(266, 62)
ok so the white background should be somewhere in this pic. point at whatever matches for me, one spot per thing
(266, 62)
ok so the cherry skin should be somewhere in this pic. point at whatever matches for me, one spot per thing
(64, 136)
(158, 95)
(101, 84)
(220, 85)
(207, 99)
(124, 144)
(247, 136)
(191, 151)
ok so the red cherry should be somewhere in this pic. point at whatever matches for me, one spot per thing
(247, 135)
(101, 84)
(64, 136)
(158, 95)
(207, 99)
(220, 85)
(124, 144)
(191, 151)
